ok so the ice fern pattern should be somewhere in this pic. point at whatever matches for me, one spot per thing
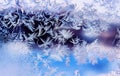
(61, 31)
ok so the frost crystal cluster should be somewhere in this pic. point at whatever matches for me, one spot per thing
(45, 27)
(60, 29)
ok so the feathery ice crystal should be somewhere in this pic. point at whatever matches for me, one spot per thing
(57, 28)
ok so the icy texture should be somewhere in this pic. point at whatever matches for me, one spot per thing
(59, 29)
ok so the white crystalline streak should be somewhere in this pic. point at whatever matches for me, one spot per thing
(80, 54)
(97, 50)
(66, 34)
(51, 72)
(58, 53)
(67, 61)
(77, 73)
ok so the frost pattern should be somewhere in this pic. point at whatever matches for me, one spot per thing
(57, 28)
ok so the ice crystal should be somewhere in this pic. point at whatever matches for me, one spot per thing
(45, 26)
(59, 28)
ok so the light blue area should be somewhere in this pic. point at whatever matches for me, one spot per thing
(28, 61)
